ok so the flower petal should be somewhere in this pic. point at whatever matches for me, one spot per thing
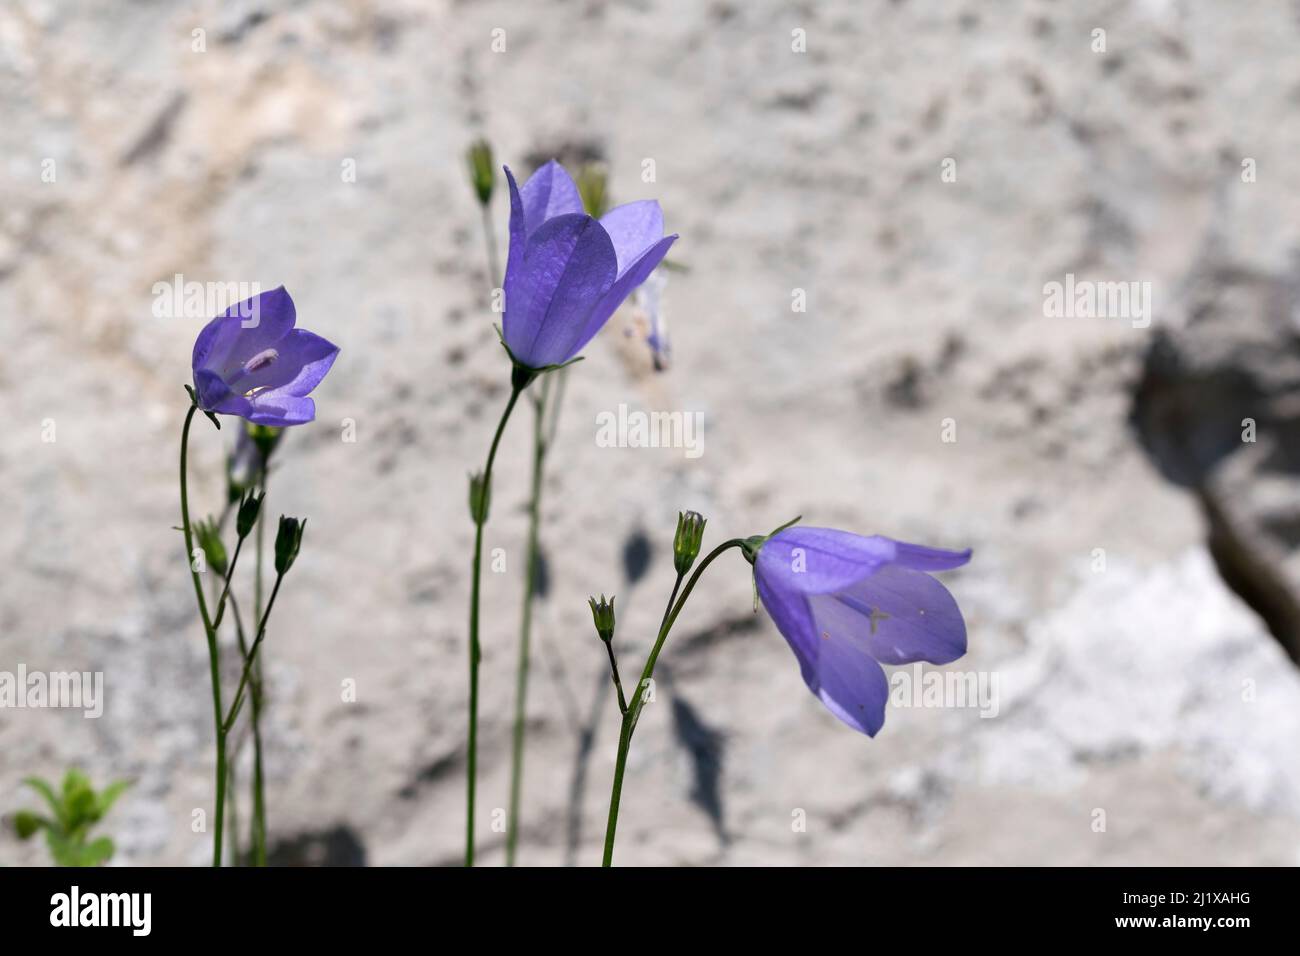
(215, 342)
(920, 558)
(633, 228)
(243, 330)
(897, 616)
(549, 192)
(567, 265)
(301, 360)
(518, 232)
(215, 395)
(821, 560)
(622, 287)
(840, 672)
(280, 409)
(791, 615)
(851, 684)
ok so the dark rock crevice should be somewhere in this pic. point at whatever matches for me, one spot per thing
(1217, 410)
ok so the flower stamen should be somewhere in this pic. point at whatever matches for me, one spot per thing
(260, 361)
(876, 616)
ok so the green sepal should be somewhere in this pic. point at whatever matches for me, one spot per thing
(602, 615)
(194, 399)
(754, 544)
(288, 539)
(521, 375)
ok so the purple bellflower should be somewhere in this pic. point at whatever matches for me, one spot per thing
(250, 361)
(243, 465)
(651, 324)
(567, 272)
(847, 604)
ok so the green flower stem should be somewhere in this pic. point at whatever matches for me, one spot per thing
(214, 659)
(638, 700)
(232, 805)
(251, 657)
(475, 652)
(225, 591)
(257, 580)
(257, 825)
(540, 447)
(618, 684)
(609, 645)
(672, 597)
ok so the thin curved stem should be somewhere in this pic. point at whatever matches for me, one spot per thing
(257, 823)
(475, 652)
(258, 826)
(638, 698)
(251, 657)
(232, 804)
(541, 443)
(677, 586)
(214, 658)
(225, 590)
(613, 673)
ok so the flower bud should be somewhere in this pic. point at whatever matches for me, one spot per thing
(593, 183)
(250, 506)
(209, 539)
(265, 437)
(243, 465)
(687, 541)
(480, 498)
(482, 173)
(602, 613)
(287, 542)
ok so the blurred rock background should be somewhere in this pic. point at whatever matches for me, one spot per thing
(1135, 583)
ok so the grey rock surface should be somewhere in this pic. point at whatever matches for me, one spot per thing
(1147, 712)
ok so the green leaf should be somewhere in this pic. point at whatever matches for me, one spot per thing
(78, 799)
(99, 851)
(46, 791)
(63, 850)
(74, 779)
(108, 796)
(26, 823)
(75, 853)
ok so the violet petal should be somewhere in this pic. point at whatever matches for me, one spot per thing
(621, 288)
(295, 364)
(566, 266)
(920, 558)
(549, 192)
(633, 228)
(820, 560)
(850, 683)
(280, 410)
(898, 616)
(243, 330)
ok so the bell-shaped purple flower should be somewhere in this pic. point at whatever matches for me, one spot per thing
(847, 604)
(567, 272)
(251, 362)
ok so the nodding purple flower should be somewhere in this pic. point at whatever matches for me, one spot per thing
(567, 272)
(649, 300)
(243, 465)
(250, 361)
(847, 604)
